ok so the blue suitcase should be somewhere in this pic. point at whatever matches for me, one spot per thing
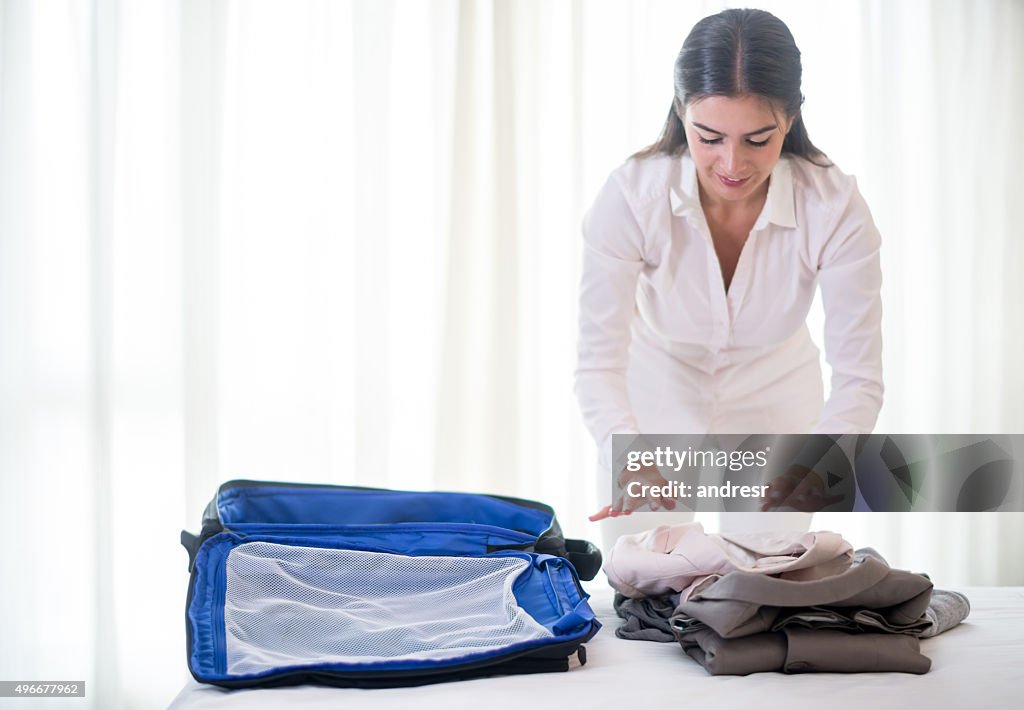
(363, 587)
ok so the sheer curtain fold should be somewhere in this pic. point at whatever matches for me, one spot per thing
(202, 33)
(339, 241)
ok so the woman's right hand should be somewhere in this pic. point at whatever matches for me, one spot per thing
(625, 504)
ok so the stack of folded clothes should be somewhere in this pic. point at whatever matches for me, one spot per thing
(742, 603)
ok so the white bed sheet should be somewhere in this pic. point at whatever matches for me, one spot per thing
(979, 664)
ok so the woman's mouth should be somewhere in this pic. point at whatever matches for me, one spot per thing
(731, 182)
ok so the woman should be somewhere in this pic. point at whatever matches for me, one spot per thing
(702, 254)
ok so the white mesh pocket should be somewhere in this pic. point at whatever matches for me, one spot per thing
(287, 606)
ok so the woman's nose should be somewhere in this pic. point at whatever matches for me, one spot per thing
(731, 160)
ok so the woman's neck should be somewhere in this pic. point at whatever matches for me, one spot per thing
(730, 210)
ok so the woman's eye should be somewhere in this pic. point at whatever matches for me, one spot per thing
(759, 144)
(710, 141)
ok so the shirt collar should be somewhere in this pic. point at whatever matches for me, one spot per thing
(778, 207)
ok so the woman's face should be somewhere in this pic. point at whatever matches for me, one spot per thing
(735, 143)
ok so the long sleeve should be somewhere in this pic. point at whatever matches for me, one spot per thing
(850, 278)
(612, 262)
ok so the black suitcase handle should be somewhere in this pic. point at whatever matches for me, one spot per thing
(585, 557)
(191, 544)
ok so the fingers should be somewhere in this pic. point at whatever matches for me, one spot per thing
(809, 494)
(631, 503)
(775, 496)
(804, 492)
(658, 502)
(779, 489)
(609, 511)
(651, 480)
(653, 486)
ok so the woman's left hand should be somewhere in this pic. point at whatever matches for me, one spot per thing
(799, 488)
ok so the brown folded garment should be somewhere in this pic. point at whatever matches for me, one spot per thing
(740, 604)
(798, 650)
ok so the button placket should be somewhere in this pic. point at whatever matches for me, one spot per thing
(741, 279)
(716, 294)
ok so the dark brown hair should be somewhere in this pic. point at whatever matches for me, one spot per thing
(738, 53)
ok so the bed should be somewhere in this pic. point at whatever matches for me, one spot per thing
(979, 664)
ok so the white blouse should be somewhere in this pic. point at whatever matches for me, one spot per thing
(664, 349)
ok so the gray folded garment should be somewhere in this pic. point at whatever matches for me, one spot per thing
(800, 650)
(945, 610)
(646, 618)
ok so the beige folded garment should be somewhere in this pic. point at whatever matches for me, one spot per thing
(677, 558)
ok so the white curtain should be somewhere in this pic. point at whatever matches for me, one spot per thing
(338, 241)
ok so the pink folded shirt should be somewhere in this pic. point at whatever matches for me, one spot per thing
(683, 558)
